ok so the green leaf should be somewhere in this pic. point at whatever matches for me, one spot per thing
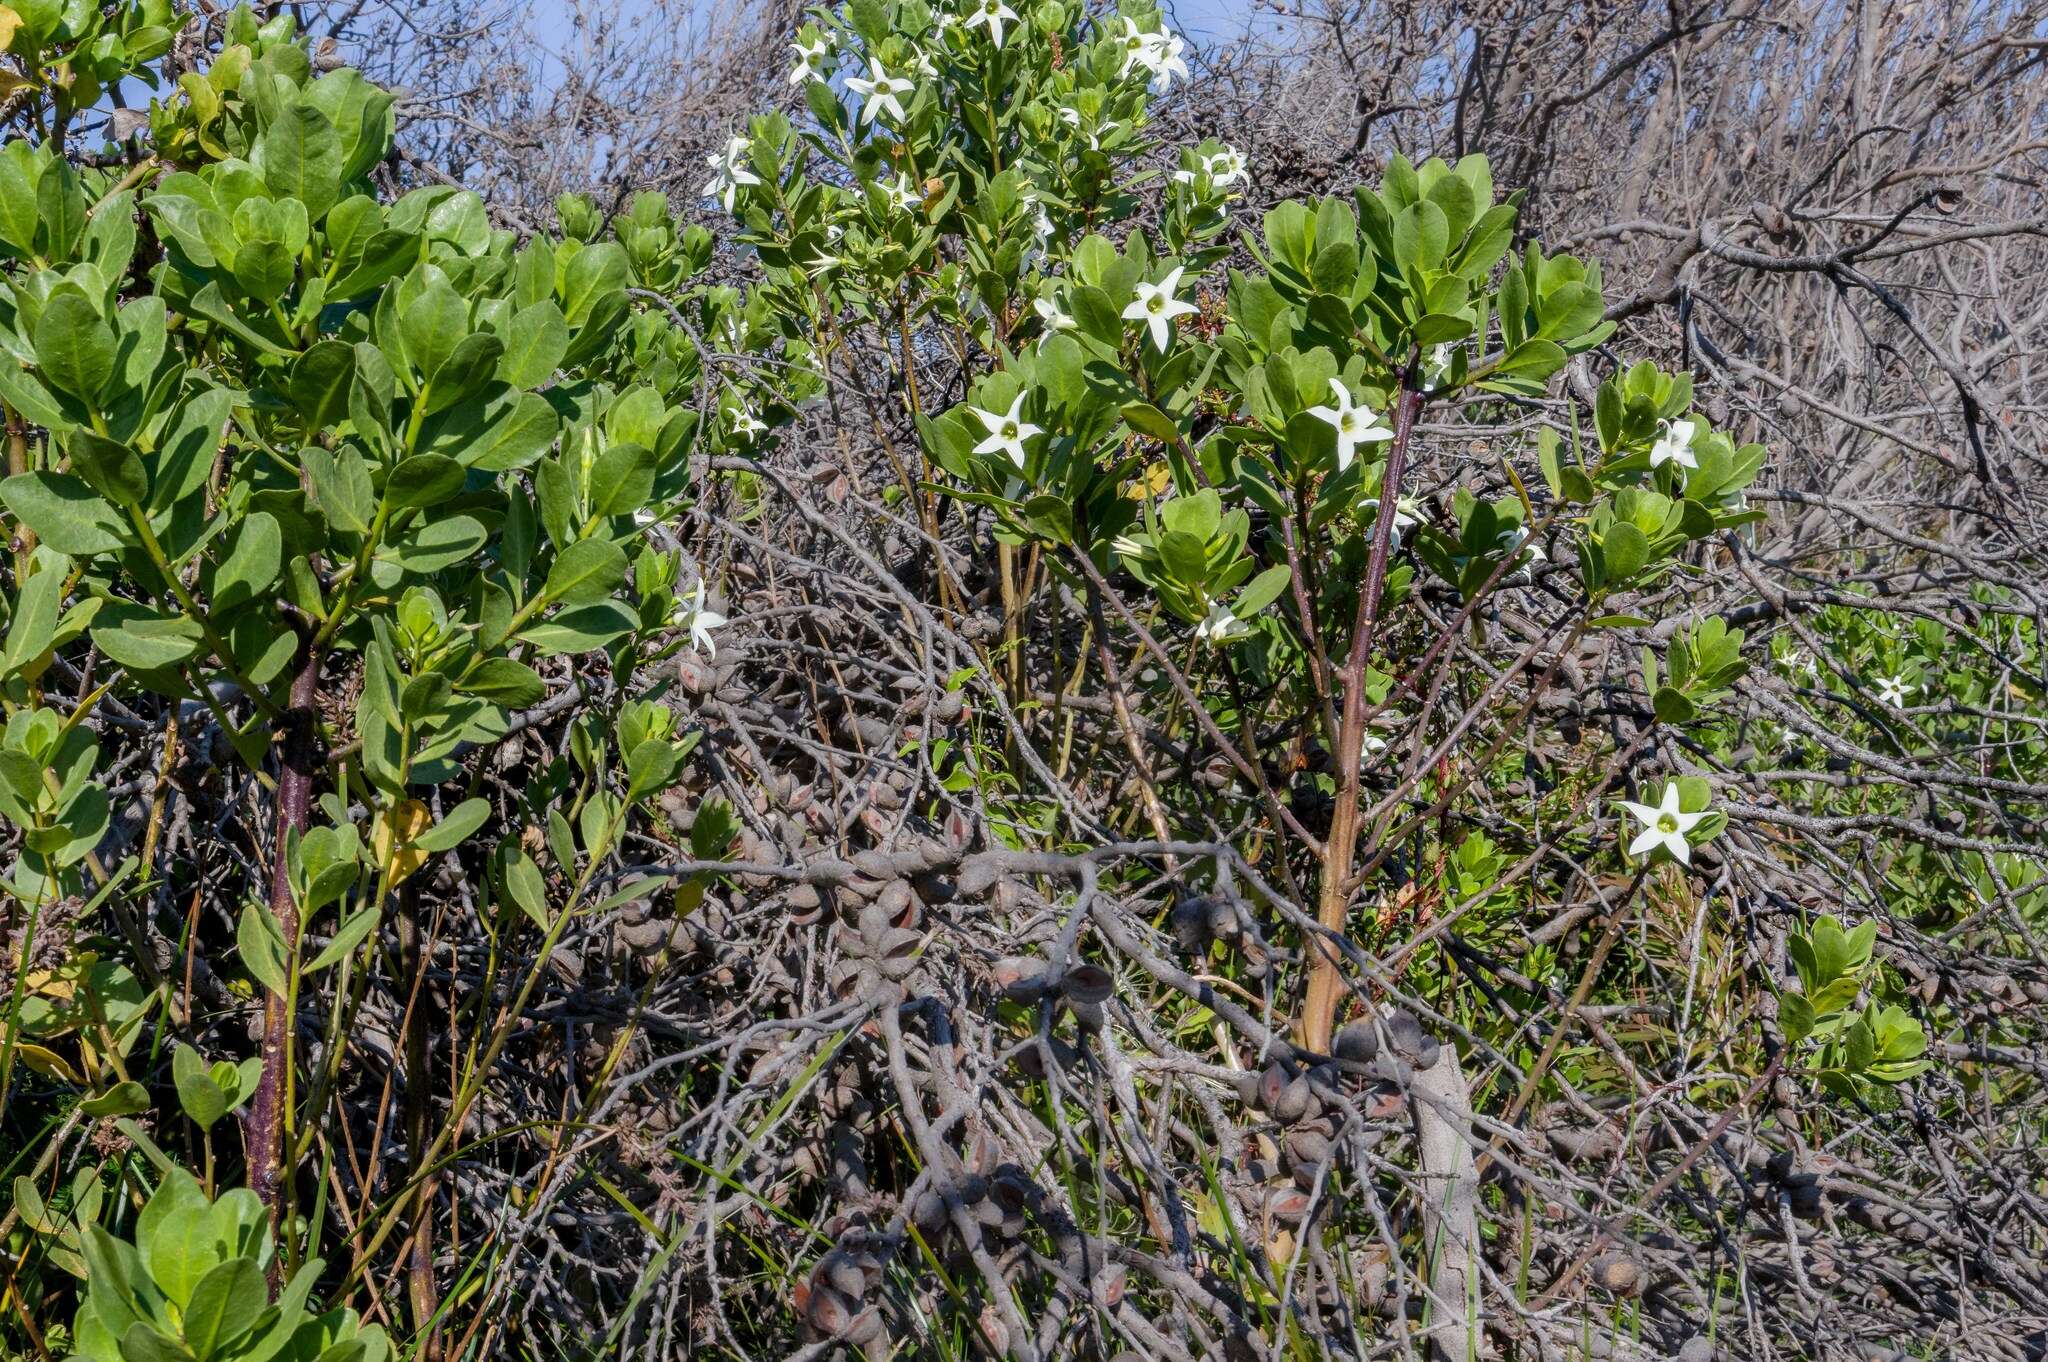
(26, 394)
(341, 484)
(525, 887)
(350, 934)
(252, 566)
(586, 571)
(34, 626)
(123, 1099)
(75, 346)
(319, 384)
(60, 203)
(261, 941)
(504, 681)
(511, 438)
(18, 216)
(185, 455)
(213, 305)
(536, 339)
(1147, 419)
(198, 1094)
(594, 274)
(388, 255)
(433, 325)
(582, 629)
(1261, 591)
(472, 364)
(1185, 557)
(137, 638)
(438, 544)
(1673, 706)
(113, 469)
(65, 513)
(462, 820)
(650, 766)
(622, 480)
(300, 158)
(1533, 359)
(224, 1306)
(1624, 550)
(424, 480)
(264, 269)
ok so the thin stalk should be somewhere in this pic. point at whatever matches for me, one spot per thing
(1325, 981)
(299, 759)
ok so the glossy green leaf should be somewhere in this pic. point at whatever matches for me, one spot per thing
(74, 347)
(586, 571)
(66, 513)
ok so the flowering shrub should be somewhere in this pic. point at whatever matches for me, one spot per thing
(358, 492)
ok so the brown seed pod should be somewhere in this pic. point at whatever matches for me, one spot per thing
(827, 1311)
(1088, 984)
(1190, 924)
(1617, 1273)
(1020, 977)
(842, 1272)
(1294, 1102)
(1287, 1205)
(1407, 1038)
(1272, 1083)
(1223, 920)
(1356, 1044)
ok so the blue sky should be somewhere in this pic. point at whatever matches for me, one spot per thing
(1201, 21)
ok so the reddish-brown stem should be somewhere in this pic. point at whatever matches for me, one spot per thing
(299, 758)
(1325, 981)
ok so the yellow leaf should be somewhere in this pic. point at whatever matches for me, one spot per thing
(42, 983)
(48, 1063)
(1152, 481)
(392, 834)
(9, 22)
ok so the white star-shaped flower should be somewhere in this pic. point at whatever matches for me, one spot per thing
(1220, 626)
(1007, 431)
(1163, 57)
(882, 92)
(732, 169)
(744, 423)
(1674, 445)
(1155, 305)
(1663, 826)
(1137, 48)
(811, 59)
(1407, 515)
(1893, 690)
(1072, 118)
(992, 14)
(902, 195)
(1049, 312)
(1228, 167)
(700, 623)
(923, 65)
(1355, 425)
(1437, 368)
